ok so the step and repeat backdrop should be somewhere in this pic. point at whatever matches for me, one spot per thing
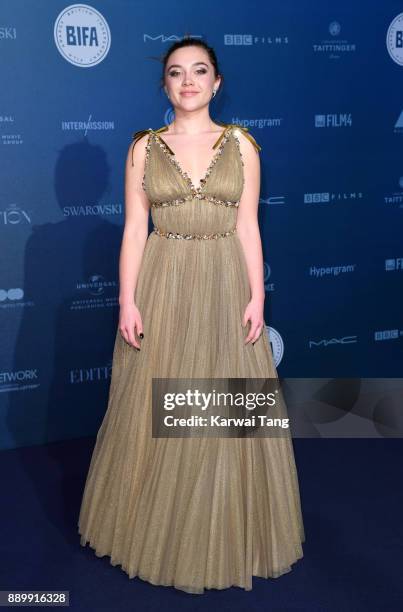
(320, 87)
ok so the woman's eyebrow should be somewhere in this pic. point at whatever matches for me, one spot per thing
(179, 66)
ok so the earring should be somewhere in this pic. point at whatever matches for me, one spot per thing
(214, 92)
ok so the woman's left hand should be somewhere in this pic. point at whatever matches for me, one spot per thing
(254, 314)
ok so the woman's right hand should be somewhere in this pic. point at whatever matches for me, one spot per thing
(129, 323)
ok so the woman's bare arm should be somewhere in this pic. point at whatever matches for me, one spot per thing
(134, 238)
(249, 235)
(136, 222)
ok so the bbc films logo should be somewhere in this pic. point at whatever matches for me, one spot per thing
(82, 35)
(394, 39)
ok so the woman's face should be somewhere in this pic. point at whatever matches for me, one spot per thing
(189, 78)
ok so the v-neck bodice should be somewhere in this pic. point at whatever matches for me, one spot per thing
(172, 156)
(177, 205)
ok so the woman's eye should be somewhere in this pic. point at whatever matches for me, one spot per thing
(175, 73)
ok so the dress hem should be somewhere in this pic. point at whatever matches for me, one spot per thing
(84, 541)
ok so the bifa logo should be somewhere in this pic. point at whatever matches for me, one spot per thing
(82, 35)
(394, 39)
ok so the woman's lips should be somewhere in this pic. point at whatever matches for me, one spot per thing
(188, 94)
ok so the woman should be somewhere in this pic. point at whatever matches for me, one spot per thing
(197, 512)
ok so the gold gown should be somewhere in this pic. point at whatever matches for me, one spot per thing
(194, 513)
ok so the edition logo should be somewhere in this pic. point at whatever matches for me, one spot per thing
(82, 35)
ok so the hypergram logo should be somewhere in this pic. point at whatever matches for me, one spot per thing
(82, 35)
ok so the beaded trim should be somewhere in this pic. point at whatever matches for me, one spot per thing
(212, 199)
(228, 129)
(223, 138)
(240, 154)
(193, 236)
(147, 155)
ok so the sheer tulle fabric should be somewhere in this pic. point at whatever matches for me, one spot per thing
(194, 513)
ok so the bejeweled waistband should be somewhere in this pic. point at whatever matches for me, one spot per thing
(197, 196)
(194, 236)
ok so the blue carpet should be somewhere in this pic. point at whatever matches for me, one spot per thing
(352, 498)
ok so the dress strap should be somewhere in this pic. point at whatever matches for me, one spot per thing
(244, 130)
(215, 145)
(137, 135)
(164, 129)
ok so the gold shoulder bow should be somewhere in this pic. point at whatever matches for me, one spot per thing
(243, 129)
(249, 136)
(137, 135)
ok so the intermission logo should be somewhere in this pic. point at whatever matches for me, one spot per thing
(95, 293)
(268, 286)
(92, 210)
(394, 39)
(85, 126)
(13, 297)
(325, 342)
(395, 198)
(82, 35)
(18, 380)
(246, 40)
(277, 344)
(392, 265)
(320, 271)
(334, 47)
(387, 334)
(333, 120)
(329, 197)
(14, 215)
